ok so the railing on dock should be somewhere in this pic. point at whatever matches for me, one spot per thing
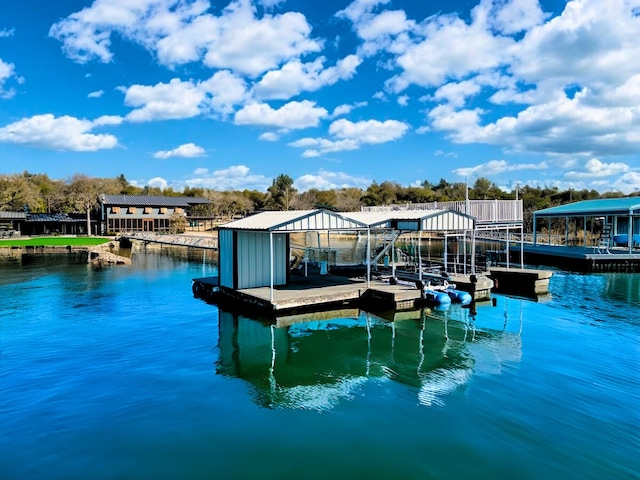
(485, 211)
(210, 243)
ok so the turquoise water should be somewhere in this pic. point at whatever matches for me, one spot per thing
(120, 373)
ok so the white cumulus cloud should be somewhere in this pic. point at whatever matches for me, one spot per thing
(236, 177)
(163, 101)
(594, 168)
(296, 77)
(328, 180)
(495, 167)
(177, 32)
(187, 150)
(351, 136)
(293, 115)
(57, 133)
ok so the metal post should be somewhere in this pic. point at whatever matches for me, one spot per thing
(271, 267)
(630, 238)
(473, 250)
(507, 250)
(522, 246)
(368, 257)
(445, 252)
(464, 252)
(393, 257)
(420, 254)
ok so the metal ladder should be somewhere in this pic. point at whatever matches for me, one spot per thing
(604, 242)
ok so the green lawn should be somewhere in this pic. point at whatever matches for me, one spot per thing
(54, 241)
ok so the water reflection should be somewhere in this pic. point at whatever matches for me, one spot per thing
(316, 362)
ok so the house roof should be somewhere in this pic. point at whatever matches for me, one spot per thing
(150, 201)
(601, 207)
(305, 220)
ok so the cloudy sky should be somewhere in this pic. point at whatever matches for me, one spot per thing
(228, 95)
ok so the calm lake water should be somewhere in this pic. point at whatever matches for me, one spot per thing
(121, 374)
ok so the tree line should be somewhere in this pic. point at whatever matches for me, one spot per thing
(38, 193)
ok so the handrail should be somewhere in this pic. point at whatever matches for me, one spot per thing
(484, 211)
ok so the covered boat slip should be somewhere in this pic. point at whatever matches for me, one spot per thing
(611, 222)
(255, 260)
(606, 235)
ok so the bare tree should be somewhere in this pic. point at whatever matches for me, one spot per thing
(83, 193)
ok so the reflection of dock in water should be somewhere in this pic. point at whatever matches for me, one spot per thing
(319, 362)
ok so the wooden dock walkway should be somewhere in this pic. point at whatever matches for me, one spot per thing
(206, 242)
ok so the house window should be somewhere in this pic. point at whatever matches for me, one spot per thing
(115, 209)
(147, 209)
(132, 209)
(179, 210)
(163, 210)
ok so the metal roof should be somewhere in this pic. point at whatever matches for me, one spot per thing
(150, 201)
(601, 207)
(429, 220)
(295, 220)
(12, 215)
(52, 217)
(304, 220)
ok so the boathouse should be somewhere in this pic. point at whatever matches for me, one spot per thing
(143, 213)
(616, 220)
(599, 235)
(255, 252)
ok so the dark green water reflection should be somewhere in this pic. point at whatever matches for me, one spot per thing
(316, 363)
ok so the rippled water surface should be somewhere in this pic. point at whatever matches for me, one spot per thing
(121, 374)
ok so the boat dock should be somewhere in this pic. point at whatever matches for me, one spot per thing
(583, 259)
(313, 293)
(521, 281)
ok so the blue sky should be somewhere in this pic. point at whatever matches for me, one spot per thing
(228, 95)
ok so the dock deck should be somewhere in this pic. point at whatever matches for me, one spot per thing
(582, 258)
(316, 292)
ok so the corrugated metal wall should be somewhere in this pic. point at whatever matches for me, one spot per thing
(225, 267)
(253, 256)
(447, 221)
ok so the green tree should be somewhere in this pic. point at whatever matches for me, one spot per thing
(281, 193)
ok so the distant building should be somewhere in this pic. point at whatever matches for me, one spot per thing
(21, 223)
(142, 213)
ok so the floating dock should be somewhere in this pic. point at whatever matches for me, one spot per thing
(582, 259)
(313, 293)
(323, 292)
(521, 281)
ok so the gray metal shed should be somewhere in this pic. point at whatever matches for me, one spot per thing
(254, 251)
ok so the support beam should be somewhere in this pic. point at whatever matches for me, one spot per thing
(368, 257)
(271, 267)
